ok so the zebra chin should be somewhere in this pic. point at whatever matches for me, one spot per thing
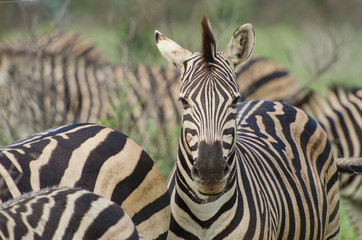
(211, 187)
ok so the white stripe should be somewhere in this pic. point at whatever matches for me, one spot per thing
(9, 182)
(79, 157)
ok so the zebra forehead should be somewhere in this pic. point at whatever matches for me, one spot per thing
(223, 83)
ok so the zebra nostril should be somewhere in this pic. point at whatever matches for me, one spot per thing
(195, 173)
(226, 171)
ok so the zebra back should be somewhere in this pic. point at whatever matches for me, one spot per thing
(261, 78)
(51, 81)
(61, 79)
(67, 83)
(93, 157)
(64, 213)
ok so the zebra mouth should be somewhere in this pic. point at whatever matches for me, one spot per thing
(210, 187)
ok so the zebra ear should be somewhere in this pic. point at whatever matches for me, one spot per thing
(241, 45)
(173, 52)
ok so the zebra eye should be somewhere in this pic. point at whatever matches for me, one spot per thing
(185, 104)
(235, 102)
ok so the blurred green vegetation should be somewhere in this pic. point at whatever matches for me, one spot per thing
(313, 39)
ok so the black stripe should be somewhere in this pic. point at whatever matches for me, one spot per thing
(262, 82)
(53, 91)
(3, 225)
(89, 87)
(66, 90)
(44, 91)
(248, 64)
(125, 188)
(55, 213)
(236, 220)
(332, 181)
(162, 236)
(148, 211)
(105, 220)
(52, 173)
(38, 208)
(112, 145)
(99, 86)
(79, 92)
(180, 232)
(81, 206)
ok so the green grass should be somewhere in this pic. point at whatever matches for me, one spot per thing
(346, 230)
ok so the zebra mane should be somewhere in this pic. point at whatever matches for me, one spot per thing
(208, 41)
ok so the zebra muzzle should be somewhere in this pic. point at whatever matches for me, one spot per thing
(210, 171)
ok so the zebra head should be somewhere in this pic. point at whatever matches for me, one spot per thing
(209, 94)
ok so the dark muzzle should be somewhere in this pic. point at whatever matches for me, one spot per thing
(210, 170)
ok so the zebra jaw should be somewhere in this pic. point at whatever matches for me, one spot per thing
(211, 187)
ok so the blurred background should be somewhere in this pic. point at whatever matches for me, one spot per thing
(319, 40)
(307, 37)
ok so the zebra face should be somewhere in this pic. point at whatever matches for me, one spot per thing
(209, 94)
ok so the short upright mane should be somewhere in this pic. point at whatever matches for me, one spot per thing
(208, 41)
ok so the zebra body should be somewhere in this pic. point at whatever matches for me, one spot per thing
(68, 82)
(93, 157)
(51, 91)
(61, 79)
(340, 114)
(338, 111)
(261, 78)
(64, 213)
(257, 170)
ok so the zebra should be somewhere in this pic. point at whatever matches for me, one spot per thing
(64, 213)
(253, 170)
(261, 78)
(97, 158)
(340, 115)
(62, 79)
(338, 111)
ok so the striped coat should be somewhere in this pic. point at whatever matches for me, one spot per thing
(64, 213)
(254, 170)
(93, 157)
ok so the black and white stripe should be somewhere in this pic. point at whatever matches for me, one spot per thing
(338, 111)
(340, 114)
(61, 79)
(256, 170)
(263, 79)
(64, 213)
(93, 157)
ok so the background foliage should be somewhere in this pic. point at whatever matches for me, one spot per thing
(314, 39)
